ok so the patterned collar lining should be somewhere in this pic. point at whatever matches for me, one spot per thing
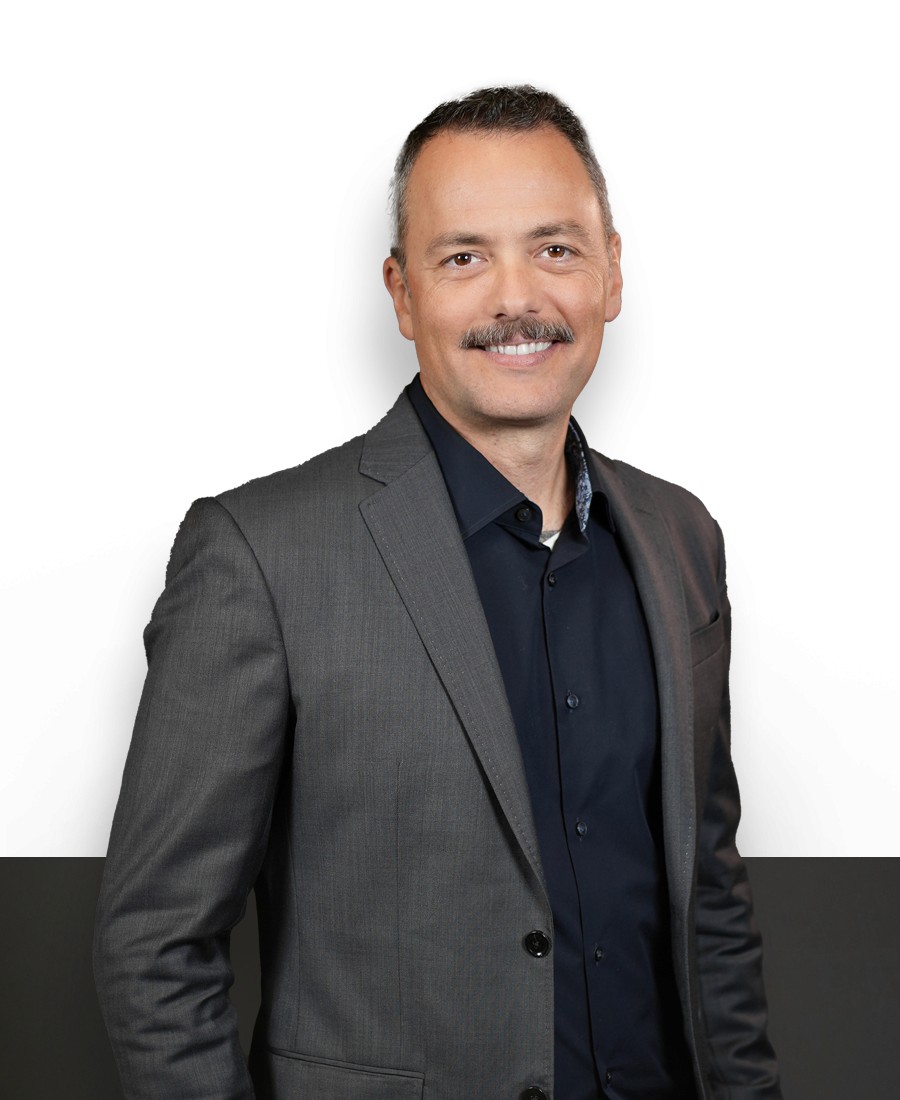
(578, 462)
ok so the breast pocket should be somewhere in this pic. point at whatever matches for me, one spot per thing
(709, 671)
(709, 659)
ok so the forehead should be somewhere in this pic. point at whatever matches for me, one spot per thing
(504, 180)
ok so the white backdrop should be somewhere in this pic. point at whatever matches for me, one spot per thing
(192, 224)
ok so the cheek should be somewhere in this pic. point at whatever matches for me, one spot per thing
(582, 297)
(442, 313)
(595, 293)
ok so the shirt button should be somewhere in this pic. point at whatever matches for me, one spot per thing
(572, 700)
(523, 515)
(534, 1093)
(580, 828)
(598, 954)
(537, 943)
(551, 579)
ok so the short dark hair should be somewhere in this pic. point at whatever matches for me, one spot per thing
(519, 107)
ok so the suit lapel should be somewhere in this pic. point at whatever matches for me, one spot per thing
(656, 574)
(415, 529)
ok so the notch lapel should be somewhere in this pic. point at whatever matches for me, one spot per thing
(654, 566)
(417, 534)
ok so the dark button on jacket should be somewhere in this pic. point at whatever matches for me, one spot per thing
(538, 944)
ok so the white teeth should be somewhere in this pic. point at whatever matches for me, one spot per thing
(518, 349)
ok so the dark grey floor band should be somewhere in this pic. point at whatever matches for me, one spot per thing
(831, 929)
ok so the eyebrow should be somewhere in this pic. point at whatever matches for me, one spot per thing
(465, 239)
(459, 239)
(560, 229)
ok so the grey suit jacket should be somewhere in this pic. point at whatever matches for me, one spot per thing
(324, 718)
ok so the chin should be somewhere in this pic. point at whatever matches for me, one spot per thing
(521, 411)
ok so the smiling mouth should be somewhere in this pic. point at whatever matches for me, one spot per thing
(524, 336)
(519, 349)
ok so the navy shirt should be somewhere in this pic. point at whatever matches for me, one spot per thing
(575, 655)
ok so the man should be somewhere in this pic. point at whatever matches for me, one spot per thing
(453, 698)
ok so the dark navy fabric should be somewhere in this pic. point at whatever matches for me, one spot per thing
(574, 652)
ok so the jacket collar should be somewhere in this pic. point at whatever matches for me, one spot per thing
(413, 524)
(648, 549)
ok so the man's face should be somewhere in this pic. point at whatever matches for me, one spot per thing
(505, 249)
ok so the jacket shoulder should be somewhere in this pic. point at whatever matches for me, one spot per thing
(331, 476)
(695, 534)
(675, 500)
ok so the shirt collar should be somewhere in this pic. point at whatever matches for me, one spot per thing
(479, 492)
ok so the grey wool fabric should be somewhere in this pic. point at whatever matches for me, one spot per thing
(324, 720)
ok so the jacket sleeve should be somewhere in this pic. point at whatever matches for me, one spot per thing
(729, 947)
(192, 821)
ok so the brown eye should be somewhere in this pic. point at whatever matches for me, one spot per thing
(556, 251)
(462, 259)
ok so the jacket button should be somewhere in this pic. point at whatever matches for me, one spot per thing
(534, 1093)
(537, 943)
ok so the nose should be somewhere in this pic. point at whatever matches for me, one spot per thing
(516, 290)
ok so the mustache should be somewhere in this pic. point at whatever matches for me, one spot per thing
(528, 329)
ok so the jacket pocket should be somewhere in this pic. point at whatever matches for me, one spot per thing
(710, 678)
(707, 640)
(285, 1075)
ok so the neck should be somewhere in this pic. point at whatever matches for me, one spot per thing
(531, 457)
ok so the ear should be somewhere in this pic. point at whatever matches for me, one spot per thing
(399, 292)
(614, 293)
